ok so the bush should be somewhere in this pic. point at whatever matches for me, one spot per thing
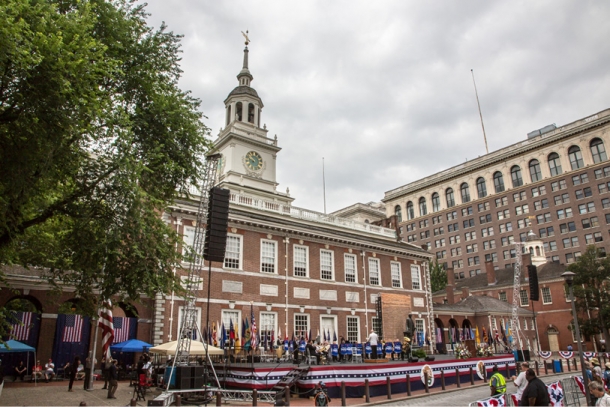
(419, 353)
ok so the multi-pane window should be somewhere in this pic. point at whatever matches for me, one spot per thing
(489, 244)
(567, 227)
(300, 261)
(561, 199)
(546, 295)
(583, 193)
(423, 210)
(453, 227)
(535, 173)
(349, 264)
(537, 191)
(484, 206)
(266, 325)
(498, 182)
(502, 297)
(471, 235)
(454, 239)
(456, 251)
(519, 210)
(506, 240)
(515, 174)
(570, 242)
(188, 239)
(590, 223)
(519, 196)
(423, 223)
(593, 238)
(465, 192)
(268, 256)
(503, 214)
(468, 223)
(542, 218)
(506, 227)
(436, 202)
(301, 323)
(524, 298)
(501, 201)
(451, 215)
(326, 265)
(542, 204)
(557, 185)
(415, 278)
(492, 257)
(233, 252)
(587, 207)
(411, 227)
(410, 210)
(449, 197)
(420, 327)
(230, 317)
(471, 248)
(396, 275)
(580, 179)
(603, 188)
(352, 329)
(598, 151)
(439, 231)
(522, 223)
(487, 232)
(575, 156)
(374, 271)
(456, 264)
(398, 213)
(473, 261)
(467, 211)
(437, 219)
(554, 164)
(602, 172)
(481, 188)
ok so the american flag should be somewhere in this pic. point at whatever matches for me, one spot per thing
(493, 401)
(555, 393)
(253, 328)
(73, 329)
(22, 322)
(121, 329)
(106, 322)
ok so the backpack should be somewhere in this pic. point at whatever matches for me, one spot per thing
(321, 399)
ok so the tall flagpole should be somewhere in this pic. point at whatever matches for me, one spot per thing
(324, 185)
(480, 114)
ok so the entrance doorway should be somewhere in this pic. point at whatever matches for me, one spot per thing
(553, 335)
(328, 326)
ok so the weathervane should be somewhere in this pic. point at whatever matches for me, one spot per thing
(245, 34)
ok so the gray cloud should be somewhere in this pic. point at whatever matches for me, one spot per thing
(383, 90)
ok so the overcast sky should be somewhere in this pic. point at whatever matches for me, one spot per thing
(383, 89)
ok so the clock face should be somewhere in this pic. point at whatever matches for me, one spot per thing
(254, 161)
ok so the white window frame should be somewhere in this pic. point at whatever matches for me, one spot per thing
(294, 251)
(347, 271)
(240, 255)
(416, 277)
(422, 322)
(332, 264)
(521, 302)
(294, 323)
(261, 319)
(542, 290)
(274, 244)
(373, 272)
(197, 321)
(226, 320)
(395, 268)
(188, 239)
(357, 319)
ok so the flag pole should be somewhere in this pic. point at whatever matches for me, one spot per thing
(92, 357)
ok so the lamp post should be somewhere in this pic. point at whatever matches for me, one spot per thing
(568, 276)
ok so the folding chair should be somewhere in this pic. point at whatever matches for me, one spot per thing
(357, 353)
(140, 387)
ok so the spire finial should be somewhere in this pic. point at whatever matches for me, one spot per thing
(245, 34)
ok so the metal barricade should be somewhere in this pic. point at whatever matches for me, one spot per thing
(571, 392)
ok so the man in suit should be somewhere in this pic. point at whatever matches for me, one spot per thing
(113, 379)
(373, 339)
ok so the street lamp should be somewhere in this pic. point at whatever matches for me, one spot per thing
(568, 276)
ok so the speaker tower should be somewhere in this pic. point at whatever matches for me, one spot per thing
(216, 228)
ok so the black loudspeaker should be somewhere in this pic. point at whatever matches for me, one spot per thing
(413, 359)
(429, 359)
(532, 274)
(216, 228)
(183, 377)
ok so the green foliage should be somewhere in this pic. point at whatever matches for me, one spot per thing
(96, 139)
(419, 353)
(438, 276)
(592, 274)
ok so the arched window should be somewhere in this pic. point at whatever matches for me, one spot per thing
(598, 151)
(554, 164)
(575, 156)
(481, 188)
(465, 192)
(535, 173)
(238, 111)
(537, 250)
(250, 113)
(436, 202)
(449, 197)
(410, 210)
(498, 182)
(228, 115)
(515, 174)
(423, 209)
(398, 213)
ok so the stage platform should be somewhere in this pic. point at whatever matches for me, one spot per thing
(263, 376)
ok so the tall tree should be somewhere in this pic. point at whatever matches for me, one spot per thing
(438, 276)
(96, 139)
(591, 293)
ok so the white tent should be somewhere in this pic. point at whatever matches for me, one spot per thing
(197, 348)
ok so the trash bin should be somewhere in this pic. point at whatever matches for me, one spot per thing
(557, 366)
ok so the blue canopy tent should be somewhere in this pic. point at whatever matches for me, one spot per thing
(132, 345)
(13, 346)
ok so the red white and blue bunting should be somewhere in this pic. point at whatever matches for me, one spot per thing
(566, 355)
(544, 354)
(492, 401)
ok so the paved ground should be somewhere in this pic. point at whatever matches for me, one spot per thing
(56, 394)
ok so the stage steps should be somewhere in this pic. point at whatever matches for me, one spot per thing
(289, 380)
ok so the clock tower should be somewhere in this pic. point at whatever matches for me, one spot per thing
(248, 163)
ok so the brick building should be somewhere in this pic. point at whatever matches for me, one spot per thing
(554, 182)
(294, 269)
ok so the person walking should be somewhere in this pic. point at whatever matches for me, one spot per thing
(373, 340)
(72, 372)
(497, 383)
(536, 393)
(113, 378)
(597, 390)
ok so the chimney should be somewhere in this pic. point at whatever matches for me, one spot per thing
(450, 286)
(491, 273)
(465, 292)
